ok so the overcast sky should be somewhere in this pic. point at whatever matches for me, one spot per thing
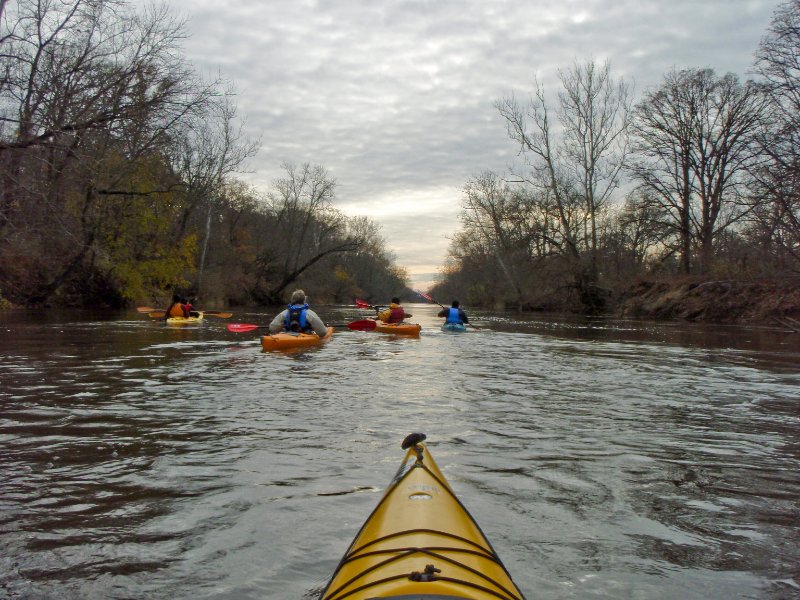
(395, 97)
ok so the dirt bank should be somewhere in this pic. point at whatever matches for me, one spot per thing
(719, 301)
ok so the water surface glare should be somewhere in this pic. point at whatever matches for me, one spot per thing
(602, 458)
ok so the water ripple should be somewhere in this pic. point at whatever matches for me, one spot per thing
(602, 458)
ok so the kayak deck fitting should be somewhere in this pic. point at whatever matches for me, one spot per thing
(420, 543)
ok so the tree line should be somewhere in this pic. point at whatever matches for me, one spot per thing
(698, 178)
(119, 171)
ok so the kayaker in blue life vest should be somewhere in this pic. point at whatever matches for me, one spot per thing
(454, 314)
(394, 314)
(298, 318)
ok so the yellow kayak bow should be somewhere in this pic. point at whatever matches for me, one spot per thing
(420, 543)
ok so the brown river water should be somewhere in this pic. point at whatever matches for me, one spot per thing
(602, 458)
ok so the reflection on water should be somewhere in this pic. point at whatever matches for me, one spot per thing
(604, 459)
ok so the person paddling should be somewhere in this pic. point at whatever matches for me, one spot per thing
(454, 314)
(298, 317)
(189, 309)
(394, 313)
(176, 309)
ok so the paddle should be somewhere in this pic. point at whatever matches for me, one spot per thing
(145, 309)
(429, 298)
(363, 325)
(365, 304)
(435, 302)
(159, 314)
(244, 327)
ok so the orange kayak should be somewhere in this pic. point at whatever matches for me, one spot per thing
(420, 543)
(398, 328)
(287, 341)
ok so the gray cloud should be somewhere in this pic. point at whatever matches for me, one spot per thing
(395, 97)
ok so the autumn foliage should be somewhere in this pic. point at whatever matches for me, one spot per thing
(118, 167)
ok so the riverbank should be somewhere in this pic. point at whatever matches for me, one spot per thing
(766, 301)
(717, 301)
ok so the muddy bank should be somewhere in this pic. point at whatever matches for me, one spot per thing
(717, 301)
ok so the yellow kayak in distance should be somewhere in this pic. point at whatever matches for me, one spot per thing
(420, 543)
(290, 341)
(193, 320)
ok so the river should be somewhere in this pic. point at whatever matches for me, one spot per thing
(602, 458)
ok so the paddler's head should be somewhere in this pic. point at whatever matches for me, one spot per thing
(298, 297)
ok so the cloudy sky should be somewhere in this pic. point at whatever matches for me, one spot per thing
(395, 97)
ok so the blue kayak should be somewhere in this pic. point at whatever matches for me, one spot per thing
(454, 327)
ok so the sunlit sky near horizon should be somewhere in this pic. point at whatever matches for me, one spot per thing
(396, 98)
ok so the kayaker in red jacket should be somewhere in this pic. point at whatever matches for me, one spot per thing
(394, 314)
(189, 309)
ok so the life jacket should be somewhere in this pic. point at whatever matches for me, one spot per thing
(397, 313)
(454, 316)
(296, 318)
(176, 310)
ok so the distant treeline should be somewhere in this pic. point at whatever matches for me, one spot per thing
(699, 178)
(118, 165)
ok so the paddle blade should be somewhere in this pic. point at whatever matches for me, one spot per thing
(428, 298)
(362, 304)
(218, 314)
(242, 327)
(363, 325)
(145, 309)
(158, 314)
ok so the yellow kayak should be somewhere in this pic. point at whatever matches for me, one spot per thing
(193, 320)
(398, 328)
(420, 543)
(288, 341)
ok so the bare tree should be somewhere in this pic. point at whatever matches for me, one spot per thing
(490, 214)
(643, 231)
(594, 112)
(578, 161)
(369, 271)
(304, 229)
(777, 181)
(76, 65)
(695, 140)
(204, 152)
(90, 90)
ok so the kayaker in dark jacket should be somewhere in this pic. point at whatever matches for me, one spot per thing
(298, 317)
(454, 314)
(394, 314)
